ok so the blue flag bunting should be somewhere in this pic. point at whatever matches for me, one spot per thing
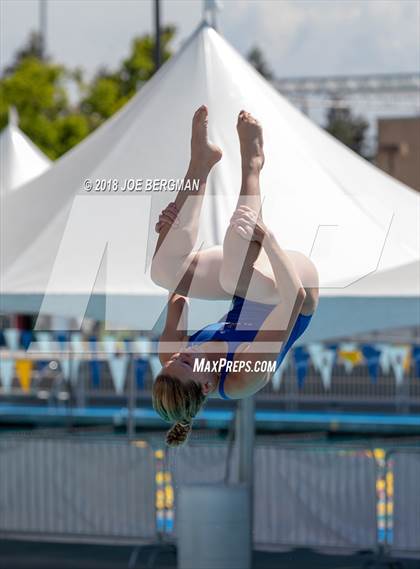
(25, 338)
(41, 364)
(62, 338)
(372, 357)
(95, 365)
(301, 358)
(415, 354)
(141, 369)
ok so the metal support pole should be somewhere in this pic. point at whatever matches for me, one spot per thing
(80, 385)
(131, 425)
(245, 433)
(43, 26)
(245, 429)
(158, 49)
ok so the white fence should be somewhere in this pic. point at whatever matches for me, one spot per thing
(322, 497)
(75, 488)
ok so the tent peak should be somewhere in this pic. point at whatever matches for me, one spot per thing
(203, 28)
(210, 12)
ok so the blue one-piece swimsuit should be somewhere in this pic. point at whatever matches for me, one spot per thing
(242, 324)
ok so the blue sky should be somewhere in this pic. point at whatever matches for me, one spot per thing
(298, 37)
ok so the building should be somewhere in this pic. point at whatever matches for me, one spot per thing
(399, 149)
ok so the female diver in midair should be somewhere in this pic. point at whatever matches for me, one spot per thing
(274, 293)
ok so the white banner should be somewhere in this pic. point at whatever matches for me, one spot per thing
(142, 346)
(71, 367)
(278, 375)
(323, 361)
(7, 369)
(385, 357)
(118, 363)
(155, 365)
(397, 356)
(44, 342)
(12, 336)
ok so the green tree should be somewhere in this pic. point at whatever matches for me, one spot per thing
(349, 129)
(109, 91)
(34, 47)
(102, 99)
(256, 59)
(38, 88)
(140, 65)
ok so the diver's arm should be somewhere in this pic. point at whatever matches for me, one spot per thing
(175, 332)
(266, 345)
(287, 279)
(276, 328)
(280, 321)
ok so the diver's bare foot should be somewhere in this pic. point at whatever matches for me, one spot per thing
(251, 140)
(202, 151)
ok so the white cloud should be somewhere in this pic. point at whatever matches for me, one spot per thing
(305, 37)
(299, 37)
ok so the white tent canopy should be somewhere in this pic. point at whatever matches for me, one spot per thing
(21, 161)
(359, 225)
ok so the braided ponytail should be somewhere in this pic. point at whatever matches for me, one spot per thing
(177, 402)
(178, 434)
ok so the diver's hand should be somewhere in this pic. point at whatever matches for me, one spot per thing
(168, 216)
(248, 225)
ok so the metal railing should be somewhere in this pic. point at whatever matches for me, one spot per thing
(352, 389)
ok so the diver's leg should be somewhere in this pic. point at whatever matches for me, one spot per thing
(174, 259)
(240, 274)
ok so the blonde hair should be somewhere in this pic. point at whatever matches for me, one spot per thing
(177, 402)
